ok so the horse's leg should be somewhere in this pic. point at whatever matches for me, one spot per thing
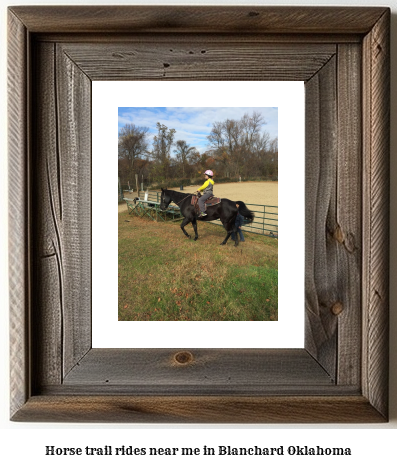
(194, 224)
(226, 226)
(229, 229)
(236, 235)
(183, 224)
(226, 238)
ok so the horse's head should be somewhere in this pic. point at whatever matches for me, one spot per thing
(165, 199)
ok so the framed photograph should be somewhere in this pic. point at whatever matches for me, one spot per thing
(153, 271)
(340, 375)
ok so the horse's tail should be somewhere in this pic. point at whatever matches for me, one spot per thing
(244, 211)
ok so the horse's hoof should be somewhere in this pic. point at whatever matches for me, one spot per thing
(195, 238)
(223, 243)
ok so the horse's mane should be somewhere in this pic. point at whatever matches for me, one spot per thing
(176, 192)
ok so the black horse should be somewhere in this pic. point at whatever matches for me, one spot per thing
(226, 211)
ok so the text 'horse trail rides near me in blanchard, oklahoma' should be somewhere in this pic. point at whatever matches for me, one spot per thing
(226, 210)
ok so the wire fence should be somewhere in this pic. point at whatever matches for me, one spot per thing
(265, 221)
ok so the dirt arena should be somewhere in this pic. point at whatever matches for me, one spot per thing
(265, 193)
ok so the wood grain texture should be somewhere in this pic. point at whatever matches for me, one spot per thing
(18, 212)
(231, 370)
(376, 92)
(341, 376)
(62, 206)
(197, 19)
(73, 90)
(244, 37)
(321, 261)
(48, 244)
(199, 60)
(347, 225)
(199, 409)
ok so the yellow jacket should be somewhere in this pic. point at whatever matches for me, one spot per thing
(208, 186)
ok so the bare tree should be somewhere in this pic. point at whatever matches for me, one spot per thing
(133, 146)
(238, 144)
(251, 127)
(161, 152)
(183, 154)
(236, 147)
(216, 138)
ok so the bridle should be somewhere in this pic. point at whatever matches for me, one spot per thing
(183, 199)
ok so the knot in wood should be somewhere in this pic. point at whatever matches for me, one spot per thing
(337, 308)
(183, 358)
(338, 235)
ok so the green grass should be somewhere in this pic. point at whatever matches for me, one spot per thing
(165, 276)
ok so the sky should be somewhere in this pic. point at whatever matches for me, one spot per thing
(193, 125)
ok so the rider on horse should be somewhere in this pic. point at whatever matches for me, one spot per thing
(207, 188)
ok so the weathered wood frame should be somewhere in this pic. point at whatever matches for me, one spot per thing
(342, 54)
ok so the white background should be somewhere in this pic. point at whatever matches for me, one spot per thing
(288, 332)
(23, 445)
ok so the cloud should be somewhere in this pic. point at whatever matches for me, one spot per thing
(193, 125)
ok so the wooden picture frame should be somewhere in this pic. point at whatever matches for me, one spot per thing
(342, 54)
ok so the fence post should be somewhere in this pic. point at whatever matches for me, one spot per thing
(120, 192)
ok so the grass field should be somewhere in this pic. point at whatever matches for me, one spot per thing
(165, 276)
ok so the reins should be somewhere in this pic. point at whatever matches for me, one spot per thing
(183, 199)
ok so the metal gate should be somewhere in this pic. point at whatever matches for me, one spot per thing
(265, 222)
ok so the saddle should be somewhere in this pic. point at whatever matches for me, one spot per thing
(211, 201)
